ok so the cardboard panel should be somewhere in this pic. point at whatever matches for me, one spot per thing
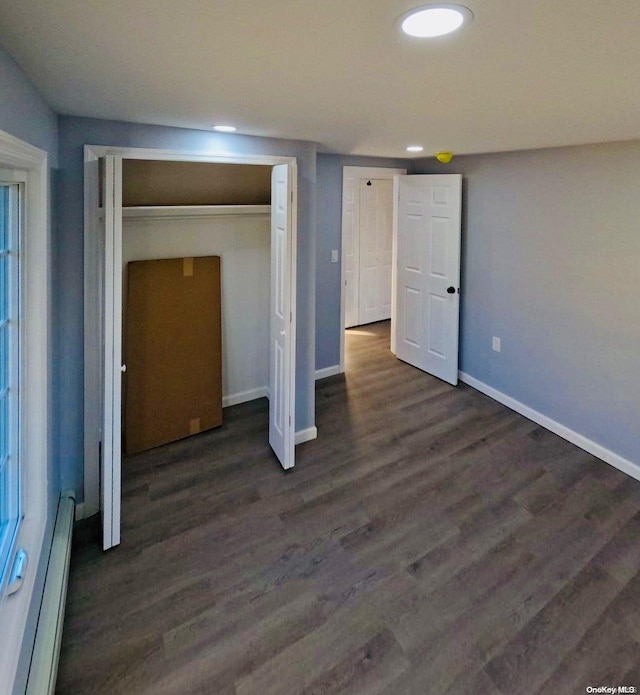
(173, 352)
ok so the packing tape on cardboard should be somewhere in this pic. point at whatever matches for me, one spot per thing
(187, 267)
(194, 426)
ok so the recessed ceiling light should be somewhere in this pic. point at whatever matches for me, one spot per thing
(415, 148)
(429, 21)
(225, 128)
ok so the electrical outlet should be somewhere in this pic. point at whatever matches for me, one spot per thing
(334, 255)
(495, 345)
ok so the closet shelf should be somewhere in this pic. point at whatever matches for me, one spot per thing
(185, 211)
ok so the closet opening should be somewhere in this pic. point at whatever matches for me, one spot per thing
(156, 206)
(196, 267)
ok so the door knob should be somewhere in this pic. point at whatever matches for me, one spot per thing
(451, 290)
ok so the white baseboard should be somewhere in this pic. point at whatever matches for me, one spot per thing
(327, 372)
(561, 430)
(307, 435)
(244, 396)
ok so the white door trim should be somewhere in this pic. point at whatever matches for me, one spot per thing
(92, 276)
(357, 173)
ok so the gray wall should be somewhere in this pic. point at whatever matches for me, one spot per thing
(23, 112)
(329, 236)
(25, 115)
(74, 134)
(551, 265)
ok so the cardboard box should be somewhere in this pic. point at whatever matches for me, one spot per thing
(173, 350)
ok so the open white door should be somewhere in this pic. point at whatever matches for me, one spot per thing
(110, 482)
(427, 273)
(283, 335)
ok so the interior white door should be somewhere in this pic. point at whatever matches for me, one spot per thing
(110, 482)
(282, 338)
(427, 265)
(376, 235)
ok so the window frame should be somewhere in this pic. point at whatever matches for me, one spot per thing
(37, 509)
(16, 181)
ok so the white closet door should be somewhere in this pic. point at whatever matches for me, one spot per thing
(112, 354)
(426, 320)
(376, 234)
(282, 339)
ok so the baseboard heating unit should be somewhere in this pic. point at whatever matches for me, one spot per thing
(46, 650)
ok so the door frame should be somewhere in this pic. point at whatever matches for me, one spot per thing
(93, 259)
(353, 174)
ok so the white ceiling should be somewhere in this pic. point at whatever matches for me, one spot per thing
(523, 74)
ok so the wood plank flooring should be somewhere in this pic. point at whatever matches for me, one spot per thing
(430, 541)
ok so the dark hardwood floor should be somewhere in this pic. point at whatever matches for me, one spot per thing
(430, 541)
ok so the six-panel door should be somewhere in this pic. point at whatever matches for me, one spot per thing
(428, 273)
